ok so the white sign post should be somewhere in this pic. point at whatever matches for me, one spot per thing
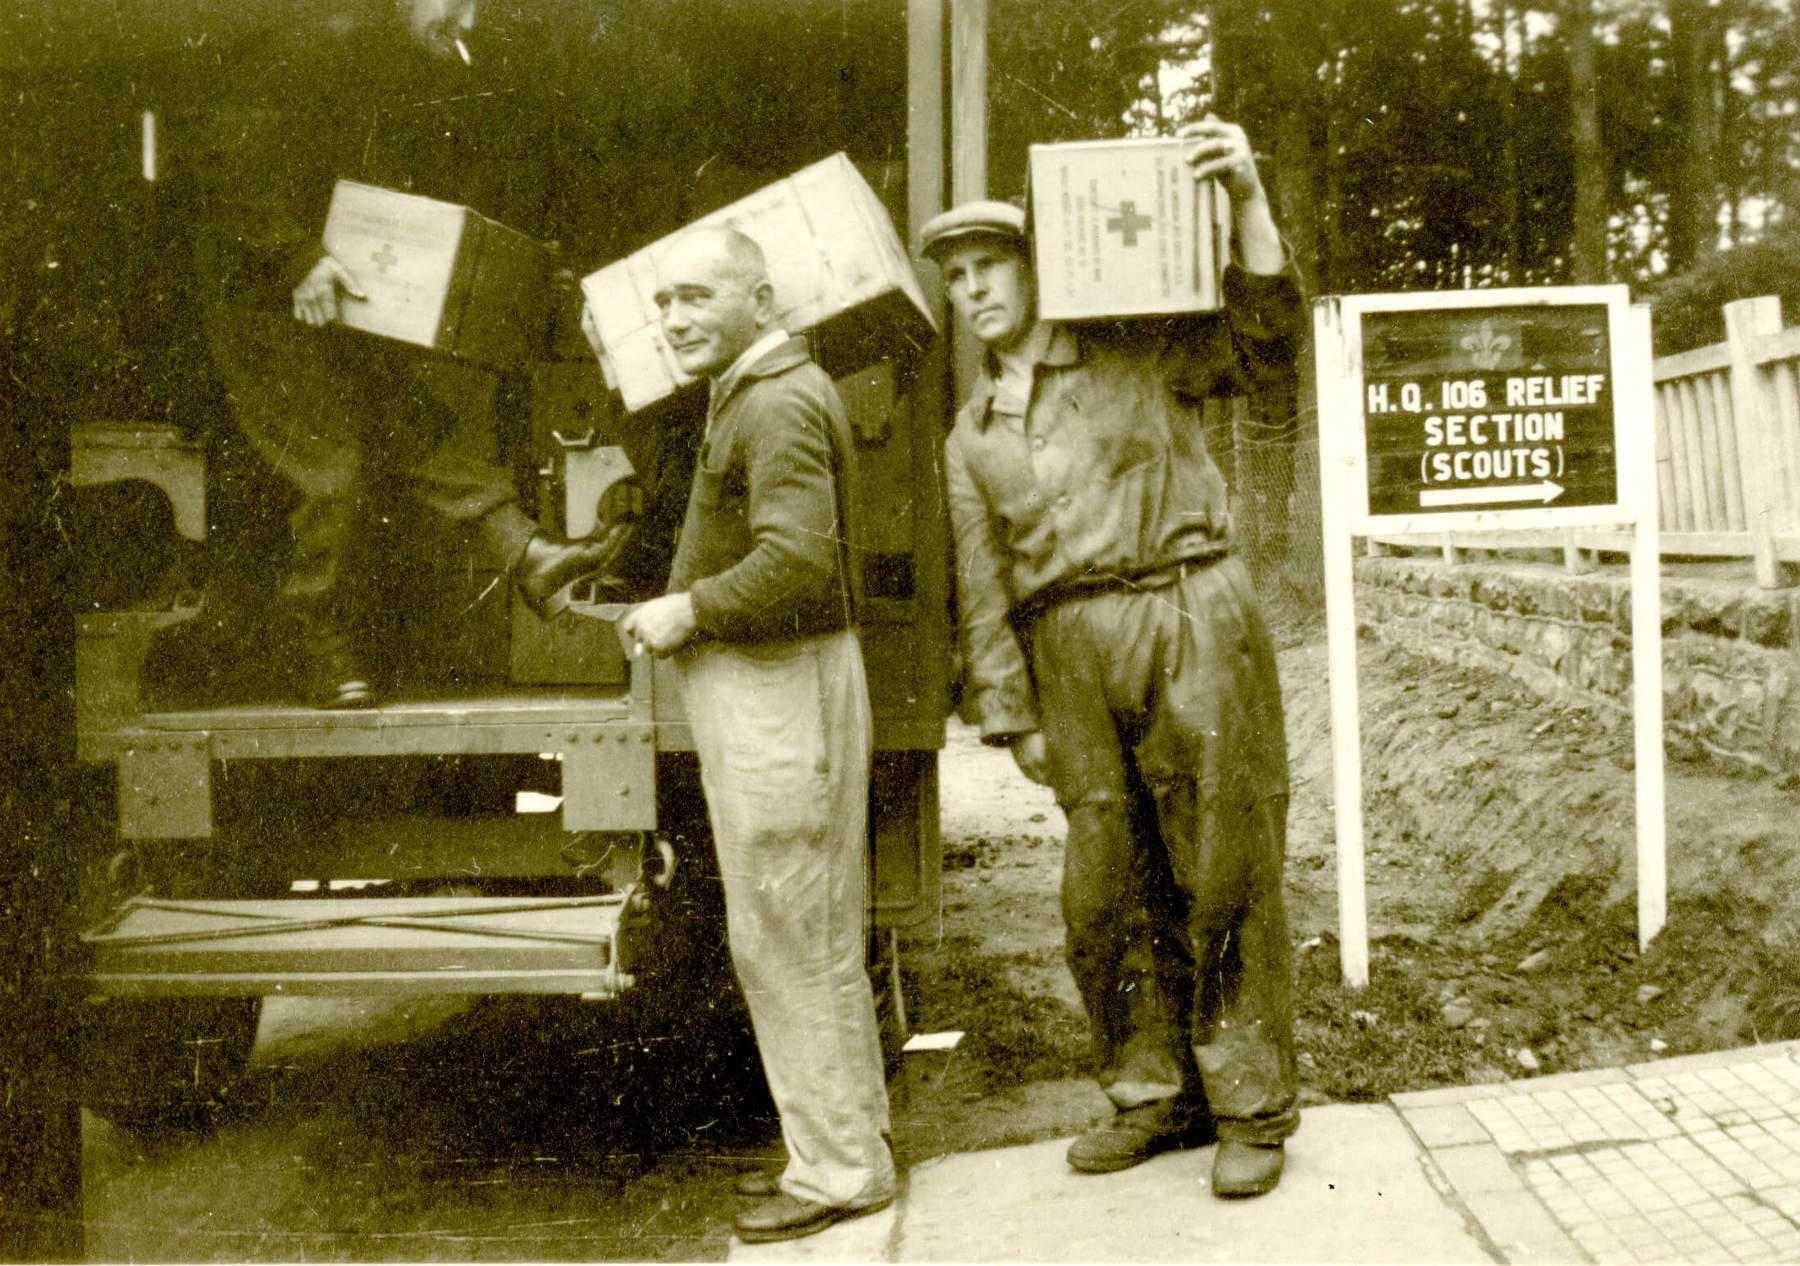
(1487, 410)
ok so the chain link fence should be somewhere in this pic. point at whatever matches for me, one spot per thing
(1269, 455)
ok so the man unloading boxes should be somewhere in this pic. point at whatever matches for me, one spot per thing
(349, 89)
(1114, 644)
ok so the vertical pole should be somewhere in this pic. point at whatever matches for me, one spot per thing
(1576, 561)
(968, 99)
(40, 1122)
(1636, 401)
(1336, 465)
(148, 145)
(1759, 448)
(968, 146)
(924, 114)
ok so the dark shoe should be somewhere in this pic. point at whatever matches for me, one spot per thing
(761, 1183)
(1126, 1140)
(1242, 1169)
(335, 678)
(550, 568)
(786, 1217)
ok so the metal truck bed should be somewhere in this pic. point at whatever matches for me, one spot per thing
(607, 741)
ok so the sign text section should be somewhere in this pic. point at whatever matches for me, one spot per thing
(1493, 407)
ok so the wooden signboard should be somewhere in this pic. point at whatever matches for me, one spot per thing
(1486, 410)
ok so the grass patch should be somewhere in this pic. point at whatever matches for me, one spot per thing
(1366, 1044)
(1012, 1036)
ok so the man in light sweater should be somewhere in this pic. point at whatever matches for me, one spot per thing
(761, 617)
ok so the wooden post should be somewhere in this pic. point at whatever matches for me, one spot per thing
(924, 116)
(1576, 561)
(1747, 320)
(40, 1123)
(1637, 473)
(1337, 466)
(1666, 404)
(968, 147)
(968, 100)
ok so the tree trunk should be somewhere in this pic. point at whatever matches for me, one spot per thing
(1694, 45)
(1512, 243)
(1587, 244)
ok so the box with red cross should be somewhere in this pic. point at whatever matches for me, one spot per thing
(440, 275)
(1122, 228)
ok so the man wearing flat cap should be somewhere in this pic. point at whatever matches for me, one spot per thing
(1114, 644)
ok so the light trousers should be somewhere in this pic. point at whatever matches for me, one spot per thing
(783, 734)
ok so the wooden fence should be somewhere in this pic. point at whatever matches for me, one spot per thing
(1727, 458)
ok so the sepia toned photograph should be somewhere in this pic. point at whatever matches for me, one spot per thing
(900, 631)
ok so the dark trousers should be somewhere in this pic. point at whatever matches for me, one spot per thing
(1162, 714)
(346, 417)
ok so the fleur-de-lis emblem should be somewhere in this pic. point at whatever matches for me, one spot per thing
(1486, 345)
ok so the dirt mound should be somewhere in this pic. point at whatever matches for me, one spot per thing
(1489, 801)
(1502, 887)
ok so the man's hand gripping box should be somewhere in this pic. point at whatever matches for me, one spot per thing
(1122, 228)
(838, 268)
(440, 275)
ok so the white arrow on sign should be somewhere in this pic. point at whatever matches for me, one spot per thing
(1545, 491)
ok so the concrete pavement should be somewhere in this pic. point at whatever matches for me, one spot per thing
(1695, 1159)
(1354, 1191)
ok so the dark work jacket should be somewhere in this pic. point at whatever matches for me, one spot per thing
(765, 547)
(337, 89)
(1105, 478)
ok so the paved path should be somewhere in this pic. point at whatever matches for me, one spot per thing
(1692, 1159)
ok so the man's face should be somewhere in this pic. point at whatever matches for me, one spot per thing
(993, 291)
(709, 316)
(437, 25)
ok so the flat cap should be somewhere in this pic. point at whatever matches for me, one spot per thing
(995, 219)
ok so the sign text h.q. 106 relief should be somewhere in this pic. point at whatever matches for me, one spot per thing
(1473, 411)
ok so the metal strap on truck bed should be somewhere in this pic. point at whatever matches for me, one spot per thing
(340, 945)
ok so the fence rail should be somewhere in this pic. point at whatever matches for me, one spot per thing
(1727, 422)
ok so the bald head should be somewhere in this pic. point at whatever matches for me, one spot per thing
(713, 297)
(732, 251)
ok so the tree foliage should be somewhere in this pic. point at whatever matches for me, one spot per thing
(1424, 144)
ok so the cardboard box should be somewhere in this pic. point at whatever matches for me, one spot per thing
(839, 271)
(1121, 228)
(440, 275)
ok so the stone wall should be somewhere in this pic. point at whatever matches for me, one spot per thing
(1731, 651)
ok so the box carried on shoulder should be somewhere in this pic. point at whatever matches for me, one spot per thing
(839, 270)
(440, 275)
(1122, 228)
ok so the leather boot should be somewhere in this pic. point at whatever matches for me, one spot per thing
(549, 568)
(785, 1217)
(1242, 1169)
(1132, 1137)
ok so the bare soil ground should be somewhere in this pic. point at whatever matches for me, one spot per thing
(1501, 904)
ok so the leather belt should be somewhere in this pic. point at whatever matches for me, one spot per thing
(1093, 586)
(1163, 577)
